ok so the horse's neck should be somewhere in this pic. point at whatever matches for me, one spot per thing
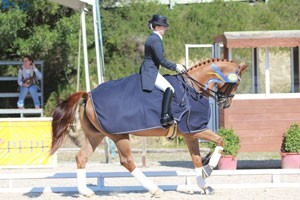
(196, 78)
(203, 72)
(200, 73)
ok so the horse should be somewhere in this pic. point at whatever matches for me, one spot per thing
(216, 78)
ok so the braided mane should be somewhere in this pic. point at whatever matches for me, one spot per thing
(208, 61)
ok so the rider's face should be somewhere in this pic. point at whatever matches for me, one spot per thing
(161, 29)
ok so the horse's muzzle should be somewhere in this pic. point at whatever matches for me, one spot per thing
(224, 101)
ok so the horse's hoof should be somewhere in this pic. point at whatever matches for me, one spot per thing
(86, 192)
(209, 190)
(157, 193)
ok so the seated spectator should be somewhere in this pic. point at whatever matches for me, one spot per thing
(28, 77)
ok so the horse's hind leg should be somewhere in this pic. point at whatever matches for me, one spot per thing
(126, 160)
(91, 140)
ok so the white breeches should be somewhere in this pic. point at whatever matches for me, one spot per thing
(162, 84)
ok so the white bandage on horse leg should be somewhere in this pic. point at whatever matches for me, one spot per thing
(146, 182)
(199, 178)
(213, 161)
(81, 183)
(81, 178)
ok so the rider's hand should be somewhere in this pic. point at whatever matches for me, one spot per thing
(180, 68)
(34, 68)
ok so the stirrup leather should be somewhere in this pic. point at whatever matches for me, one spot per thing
(172, 132)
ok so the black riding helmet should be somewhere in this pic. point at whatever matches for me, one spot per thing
(158, 20)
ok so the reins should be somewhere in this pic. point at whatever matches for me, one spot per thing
(210, 92)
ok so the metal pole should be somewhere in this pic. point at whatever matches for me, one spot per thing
(101, 67)
(292, 70)
(298, 68)
(85, 52)
(97, 44)
(144, 152)
(267, 75)
(78, 64)
(106, 150)
(229, 54)
(186, 56)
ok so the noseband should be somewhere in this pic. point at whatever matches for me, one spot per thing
(227, 91)
(224, 96)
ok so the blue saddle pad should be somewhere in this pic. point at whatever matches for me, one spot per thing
(122, 106)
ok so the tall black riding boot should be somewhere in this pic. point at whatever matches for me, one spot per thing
(166, 114)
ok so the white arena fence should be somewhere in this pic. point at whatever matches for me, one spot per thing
(273, 174)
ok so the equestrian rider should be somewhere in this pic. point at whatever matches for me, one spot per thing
(153, 59)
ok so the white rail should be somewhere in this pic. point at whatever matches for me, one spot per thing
(100, 186)
(22, 111)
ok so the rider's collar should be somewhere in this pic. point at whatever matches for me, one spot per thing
(158, 34)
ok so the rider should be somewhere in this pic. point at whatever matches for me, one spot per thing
(153, 59)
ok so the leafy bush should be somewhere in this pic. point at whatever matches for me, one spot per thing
(291, 139)
(231, 142)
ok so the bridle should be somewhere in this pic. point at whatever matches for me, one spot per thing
(198, 87)
(222, 97)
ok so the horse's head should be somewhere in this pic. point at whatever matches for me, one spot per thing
(229, 82)
(218, 78)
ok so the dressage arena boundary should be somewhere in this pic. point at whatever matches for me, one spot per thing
(275, 181)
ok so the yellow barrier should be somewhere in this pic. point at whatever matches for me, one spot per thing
(25, 142)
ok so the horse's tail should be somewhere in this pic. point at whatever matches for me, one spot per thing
(63, 117)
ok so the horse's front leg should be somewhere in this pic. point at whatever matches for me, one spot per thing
(216, 154)
(202, 172)
(193, 146)
(126, 160)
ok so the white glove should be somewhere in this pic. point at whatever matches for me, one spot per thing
(180, 68)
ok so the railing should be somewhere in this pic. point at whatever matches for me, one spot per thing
(272, 182)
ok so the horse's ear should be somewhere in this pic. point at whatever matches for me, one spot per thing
(243, 67)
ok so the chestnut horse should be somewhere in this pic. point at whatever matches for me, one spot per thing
(217, 78)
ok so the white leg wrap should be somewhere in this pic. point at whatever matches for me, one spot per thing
(81, 183)
(146, 182)
(200, 180)
(213, 161)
